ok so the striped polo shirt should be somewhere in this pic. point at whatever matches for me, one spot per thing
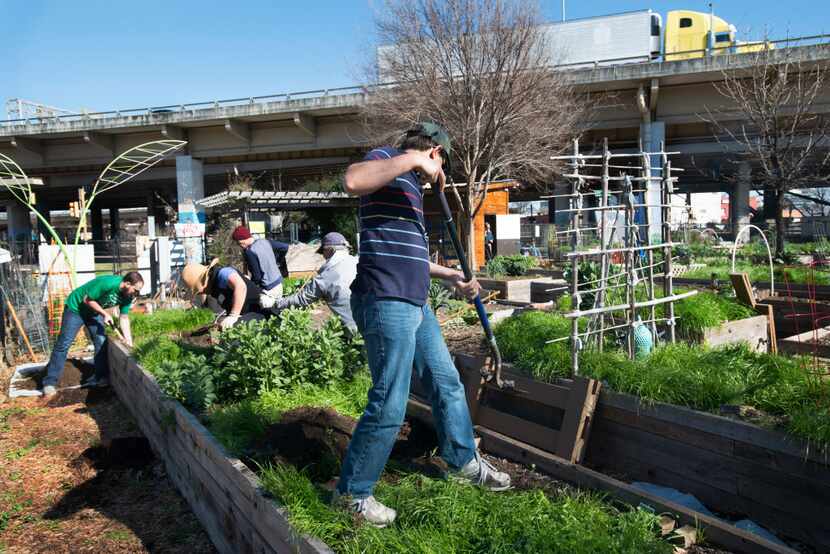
(394, 252)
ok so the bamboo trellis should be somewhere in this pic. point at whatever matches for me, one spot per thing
(622, 298)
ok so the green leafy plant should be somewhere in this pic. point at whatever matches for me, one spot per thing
(438, 295)
(511, 266)
(189, 380)
(269, 355)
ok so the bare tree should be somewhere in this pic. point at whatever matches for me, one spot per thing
(482, 69)
(775, 118)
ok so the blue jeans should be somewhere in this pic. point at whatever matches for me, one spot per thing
(71, 323)
(397, 335)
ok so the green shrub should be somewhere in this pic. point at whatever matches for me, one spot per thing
(511, 266)
(189, 380)
(290, 285)
(151, 353)
(438, 295)
(269, 355)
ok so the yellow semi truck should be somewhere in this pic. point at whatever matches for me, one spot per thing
(687, 36)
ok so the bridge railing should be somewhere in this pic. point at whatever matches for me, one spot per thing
(357, 89)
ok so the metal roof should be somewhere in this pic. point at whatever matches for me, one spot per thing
(286, 200)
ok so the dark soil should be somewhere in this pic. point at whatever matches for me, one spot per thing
(317, 439)
(75, 371)
(466, 339)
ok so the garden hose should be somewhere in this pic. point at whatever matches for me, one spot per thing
(495, 374)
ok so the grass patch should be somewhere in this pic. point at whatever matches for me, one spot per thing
(443, 516)
(707, 309)
(239, 425)
(164, 322)
(691, 376)
(760, 273)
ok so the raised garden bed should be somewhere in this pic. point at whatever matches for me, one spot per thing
(226, 496)
(815, 342)
(288, 434)
(736, 468)
(548, 290)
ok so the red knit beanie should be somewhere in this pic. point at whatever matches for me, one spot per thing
(241, 233)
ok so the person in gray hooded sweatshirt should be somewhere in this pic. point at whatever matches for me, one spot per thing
(332, 282)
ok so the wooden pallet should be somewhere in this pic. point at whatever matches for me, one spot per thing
(555, 418)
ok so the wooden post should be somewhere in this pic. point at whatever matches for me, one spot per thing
(21, 330)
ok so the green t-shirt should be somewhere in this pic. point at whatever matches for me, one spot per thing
(106, 290)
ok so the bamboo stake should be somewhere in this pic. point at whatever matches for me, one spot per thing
(21, 330)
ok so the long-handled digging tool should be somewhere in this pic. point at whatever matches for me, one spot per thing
(495, 374)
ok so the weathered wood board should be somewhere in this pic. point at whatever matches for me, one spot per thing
(223, 492)
(751, 330)
(808, 343)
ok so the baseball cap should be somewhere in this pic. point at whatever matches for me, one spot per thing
(439, 136)
(332, 239)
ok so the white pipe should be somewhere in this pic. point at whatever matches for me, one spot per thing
(769, 253)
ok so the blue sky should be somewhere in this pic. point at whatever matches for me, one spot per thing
(114, 54)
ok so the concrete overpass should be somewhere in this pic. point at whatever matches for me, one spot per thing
(298, 136)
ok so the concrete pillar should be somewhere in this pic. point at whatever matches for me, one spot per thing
(97, 223)
(739, 199)
(115, 223)
(43, 209)
(557, 207)
(652, 136)
(190, 187)
(18, 221)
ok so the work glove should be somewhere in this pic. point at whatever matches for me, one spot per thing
(228, 321)
(267, 301)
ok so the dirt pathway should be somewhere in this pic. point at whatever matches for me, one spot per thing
(77, 476)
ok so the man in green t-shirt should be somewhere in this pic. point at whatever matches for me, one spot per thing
(87, 306)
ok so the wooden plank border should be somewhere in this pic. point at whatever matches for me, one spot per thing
(225, 495)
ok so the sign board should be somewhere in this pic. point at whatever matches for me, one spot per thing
(257, 228)
(5, 256)
(191, 237)
(52, 263)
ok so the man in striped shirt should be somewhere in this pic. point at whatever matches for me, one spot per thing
(389, 305)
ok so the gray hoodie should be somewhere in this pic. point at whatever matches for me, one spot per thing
(332, 284)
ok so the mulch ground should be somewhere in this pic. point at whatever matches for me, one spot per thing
(77, 476)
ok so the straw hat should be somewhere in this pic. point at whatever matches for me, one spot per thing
(195, 276)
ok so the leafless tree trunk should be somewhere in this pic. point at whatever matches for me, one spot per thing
(773, 112)
(480, 68)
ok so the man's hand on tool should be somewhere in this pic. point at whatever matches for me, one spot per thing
(228, 321)
(108, 319)
(430, 169)
(468, 288)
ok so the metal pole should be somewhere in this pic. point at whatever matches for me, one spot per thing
(668, 285)
(603, 241)
(575, 203)
(468, 275)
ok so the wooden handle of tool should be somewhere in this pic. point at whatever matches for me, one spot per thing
(20, 330)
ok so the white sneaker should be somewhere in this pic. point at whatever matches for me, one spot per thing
(49, 390)
(479, 471)
(369, 508)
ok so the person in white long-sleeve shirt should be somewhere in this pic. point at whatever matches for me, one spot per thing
(332, 282)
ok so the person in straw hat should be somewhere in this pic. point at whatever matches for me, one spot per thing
(224, 289)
